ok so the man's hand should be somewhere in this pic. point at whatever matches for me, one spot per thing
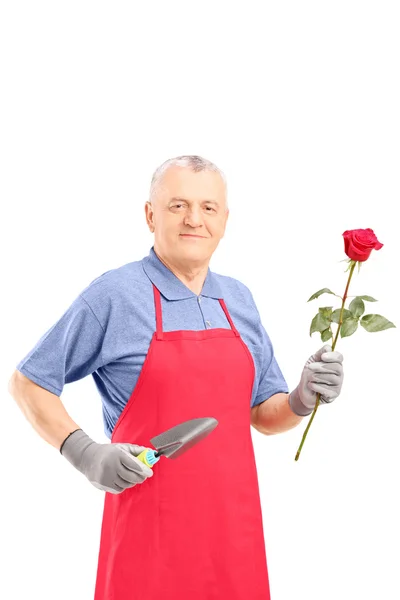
(109, 467)
(323, 373)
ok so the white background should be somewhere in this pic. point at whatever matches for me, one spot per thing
(298, 102)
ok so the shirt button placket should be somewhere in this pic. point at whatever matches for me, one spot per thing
(208, 323)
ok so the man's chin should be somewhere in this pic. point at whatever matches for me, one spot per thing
(193, 252)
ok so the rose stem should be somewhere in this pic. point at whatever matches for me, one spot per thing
(333, 348)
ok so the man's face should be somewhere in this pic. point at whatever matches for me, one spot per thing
(188, 215)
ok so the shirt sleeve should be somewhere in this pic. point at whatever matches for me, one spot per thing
(271, 380)
(68, 351)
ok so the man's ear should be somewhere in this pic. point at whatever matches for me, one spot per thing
(148, 208)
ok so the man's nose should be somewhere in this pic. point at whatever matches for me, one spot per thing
(193, 217)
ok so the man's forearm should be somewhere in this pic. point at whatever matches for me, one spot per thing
(274, 415)
(44, 410)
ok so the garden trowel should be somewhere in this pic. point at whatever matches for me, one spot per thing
(177, 440)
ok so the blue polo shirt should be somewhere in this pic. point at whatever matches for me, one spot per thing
(107, 330)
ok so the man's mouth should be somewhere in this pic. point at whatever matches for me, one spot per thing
(191, 235)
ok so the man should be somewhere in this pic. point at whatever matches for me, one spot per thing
(167, 340)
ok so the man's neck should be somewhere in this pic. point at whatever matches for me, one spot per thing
(192, 277)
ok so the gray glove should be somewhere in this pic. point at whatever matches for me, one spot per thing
(323, 373)
(109, 467)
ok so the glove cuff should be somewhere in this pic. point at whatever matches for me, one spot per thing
(62, 445)
(74, 446)
(296, 404)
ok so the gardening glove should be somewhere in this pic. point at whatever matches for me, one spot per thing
(109, 467)
(323, 373)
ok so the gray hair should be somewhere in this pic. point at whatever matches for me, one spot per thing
(194, 162)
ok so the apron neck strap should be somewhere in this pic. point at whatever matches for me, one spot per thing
(228, 316)
(157, 301)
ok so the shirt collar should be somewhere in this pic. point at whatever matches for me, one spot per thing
(173, 288)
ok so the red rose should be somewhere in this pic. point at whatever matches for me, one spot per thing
(359, 243)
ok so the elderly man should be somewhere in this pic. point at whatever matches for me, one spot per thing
(168, 340)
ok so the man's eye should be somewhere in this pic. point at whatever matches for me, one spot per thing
(209, 208)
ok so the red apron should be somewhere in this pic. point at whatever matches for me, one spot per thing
(194, 530)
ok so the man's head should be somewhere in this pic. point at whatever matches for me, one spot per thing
(188, 197)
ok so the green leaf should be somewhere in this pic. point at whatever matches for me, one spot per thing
(367, 298)
(357, 307)
(348, 327)
(376, 323)
(323, 291)
(326, 311)
(336, 314)
(326, 335)
(319, 323)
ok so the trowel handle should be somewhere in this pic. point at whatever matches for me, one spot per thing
(148, 457)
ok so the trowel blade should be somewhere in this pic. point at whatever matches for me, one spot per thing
(177, 440)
